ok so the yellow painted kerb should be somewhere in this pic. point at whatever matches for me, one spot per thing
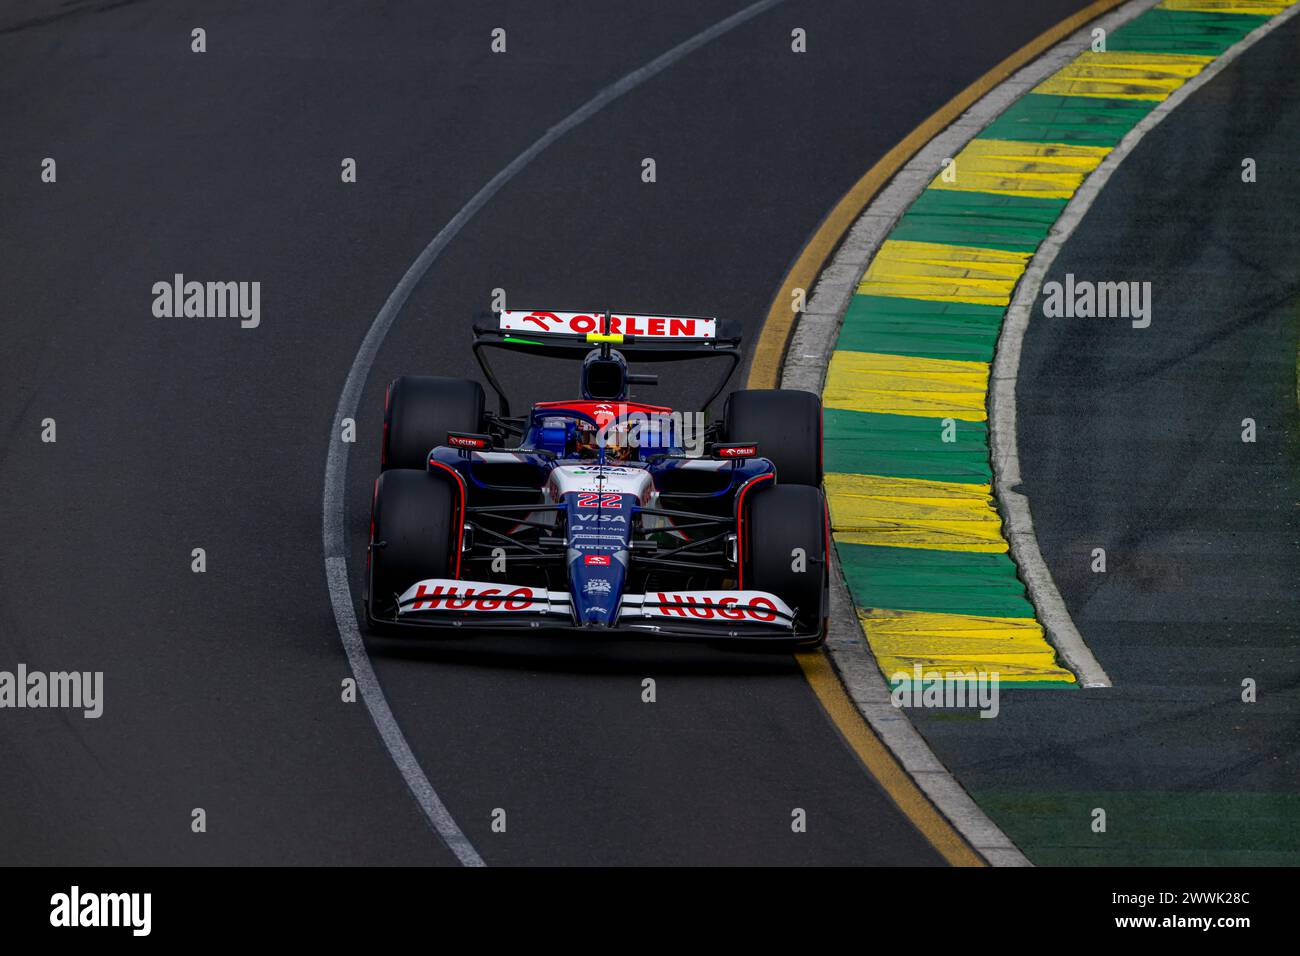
(1010, 168)
(1124, 76)
(1264, 8)
(907, 385)
(1013, 647)
(914, 513)
(943, 273)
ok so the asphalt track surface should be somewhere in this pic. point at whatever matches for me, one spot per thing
(222, 689)
(1131, 440)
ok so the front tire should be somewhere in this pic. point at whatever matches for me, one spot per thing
(786, 553)
(418, 413)
(786, 424)
(414, 536)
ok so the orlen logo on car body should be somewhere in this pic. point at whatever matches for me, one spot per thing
(580, 323)
(599, 560)
(431, 596)
(706, 607)
(735, 451)
(458, 440)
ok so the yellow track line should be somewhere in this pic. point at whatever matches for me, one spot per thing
(765, 372)
(880, 763)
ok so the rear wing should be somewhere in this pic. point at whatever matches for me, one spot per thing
(640, 336)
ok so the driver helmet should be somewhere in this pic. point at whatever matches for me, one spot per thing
(616, 439)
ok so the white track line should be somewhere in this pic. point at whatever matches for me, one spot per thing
(333, 505)
(805, 366)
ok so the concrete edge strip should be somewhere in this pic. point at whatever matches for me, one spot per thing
(1019, 525)
(806, 361)
(334, 498)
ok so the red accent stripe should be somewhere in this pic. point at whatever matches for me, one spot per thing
(588, 406)
(383, 444)
(460, 511)
(374, 496)
(740, 528)
(821, 440)
(826, 527)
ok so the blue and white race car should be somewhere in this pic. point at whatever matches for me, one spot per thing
(600, 515)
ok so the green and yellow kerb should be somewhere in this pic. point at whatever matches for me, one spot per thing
(907, 455)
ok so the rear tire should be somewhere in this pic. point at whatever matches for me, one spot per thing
(781, 519)
(418, 413)
(414, 536)
(786, 424)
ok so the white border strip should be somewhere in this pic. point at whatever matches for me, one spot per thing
(805, 366)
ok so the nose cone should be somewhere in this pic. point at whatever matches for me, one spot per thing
(597, 615)
(601, 504)
(597, 588)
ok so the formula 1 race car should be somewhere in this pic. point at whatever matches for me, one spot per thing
(601, 515)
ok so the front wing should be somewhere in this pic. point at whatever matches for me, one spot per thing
(474, 607)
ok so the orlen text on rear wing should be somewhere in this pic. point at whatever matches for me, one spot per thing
(640, 336)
